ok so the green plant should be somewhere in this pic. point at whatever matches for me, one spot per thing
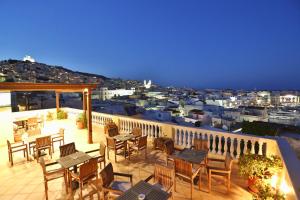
(62, 114)
(266, 192)
(259, 166)
(49, 116)
(81, 118)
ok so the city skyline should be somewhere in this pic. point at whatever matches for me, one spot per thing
(242, 45)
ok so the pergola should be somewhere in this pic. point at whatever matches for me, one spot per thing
(58, 88)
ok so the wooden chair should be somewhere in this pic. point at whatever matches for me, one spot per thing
(32, 123)
(15, 147)
(31, 133)
(115, 146)
(42, 143)
(163, 178)
(60, 137)
(67, 149)
(224, 171)
(185, 170)
(87, 172)
(137, 132)
(111, 129)
(52, 174)
(201, 144)
(101, 156)
(139, 146)
(169, 151)
(111, 187)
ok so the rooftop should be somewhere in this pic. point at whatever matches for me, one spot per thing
(25, 179)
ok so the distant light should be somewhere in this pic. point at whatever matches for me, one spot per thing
(274, 181)
(28, 58)
(284, 187)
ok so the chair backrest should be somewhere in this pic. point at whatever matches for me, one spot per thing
(107, 175)
(142, 142)
(200, 144)
(33, 132)
(102, 149)
(32, 120)
(88, 170)
(67, 149)
(169, 147)
(183, 167)
(8, 145)
(110, 142)
(43, 141)
(228, 161)
(136, 131)
(164, 176)
(111, 129)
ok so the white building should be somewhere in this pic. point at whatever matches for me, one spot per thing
(289, 100)
(105, 94)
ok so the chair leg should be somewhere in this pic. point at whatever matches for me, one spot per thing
(115, 157)
(108, 154)
(27, 156)
(52, 146)
(228, 183)
(192, 188)
(174, 184)
(46, 189)
(66, 181)
(209, 181)
(199, 183)
(81, 184)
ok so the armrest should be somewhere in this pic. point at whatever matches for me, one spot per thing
(216, 160)
(192, 147)
(92, 151)
(49, 164)
(220, 171)
(149, 178)
(124, 174)
(118, 192)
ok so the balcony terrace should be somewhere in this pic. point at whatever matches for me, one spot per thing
(25, 181)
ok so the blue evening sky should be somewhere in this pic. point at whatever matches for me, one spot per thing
(203, 44)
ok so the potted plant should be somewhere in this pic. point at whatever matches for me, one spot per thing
(81, 121)
(61, 114)
(49, 116)
(266, 192)
(258, 167)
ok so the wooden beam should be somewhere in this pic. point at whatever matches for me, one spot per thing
(89, 116)
(60, 87)
(84, 100)
(57, 95)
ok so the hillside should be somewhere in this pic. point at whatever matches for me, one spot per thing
(25, 71)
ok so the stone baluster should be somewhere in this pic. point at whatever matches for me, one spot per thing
(176, 137)
(232, 147)
(220, 145)
(180, 137)
(214, 144)
(252, 147)
(189, 139)
(238, 148)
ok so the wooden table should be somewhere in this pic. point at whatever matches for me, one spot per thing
(124, 138)
(190, 155)
(73, 160)
(150, 191)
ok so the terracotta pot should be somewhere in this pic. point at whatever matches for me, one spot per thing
(251, 184)
(80, 125)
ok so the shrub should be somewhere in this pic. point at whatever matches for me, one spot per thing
(62, 114)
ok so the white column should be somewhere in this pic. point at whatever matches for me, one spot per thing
(232, 147)
(238, 148)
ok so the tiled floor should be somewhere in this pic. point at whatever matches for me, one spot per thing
(25, 181)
